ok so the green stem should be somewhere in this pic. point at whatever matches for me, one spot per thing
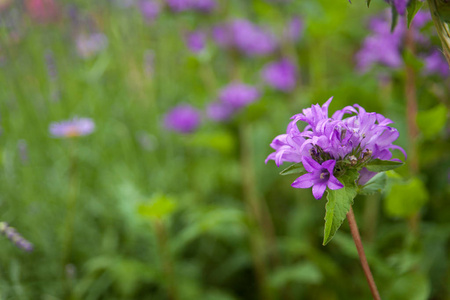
(441, 27)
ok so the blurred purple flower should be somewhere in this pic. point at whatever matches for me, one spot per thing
(179, 5)
(435, 63)
(219, 111)
(72, 128)
(196, 41)
(183, 119)
(238, 95)
(15, 237)
(245, 36)
(150, 9)
(43, 11)
(203, 5)
(280, 75)
(90, 44)
(294, 29)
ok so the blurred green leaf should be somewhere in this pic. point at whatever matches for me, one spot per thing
(406, 199)
(303, 272)
(378, 165)
(160, 206)
(294, 169)
(219, 140)
(339, 203)
(432, 121)
(412, 286)
(374, 185)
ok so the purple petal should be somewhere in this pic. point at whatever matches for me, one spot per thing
(318, 190)
(310, 164)
(304, 181)
(334, 184)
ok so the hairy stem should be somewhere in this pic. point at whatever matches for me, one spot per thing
(362, 255)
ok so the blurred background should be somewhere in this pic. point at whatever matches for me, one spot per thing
(157, 188)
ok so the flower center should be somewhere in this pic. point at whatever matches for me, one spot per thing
(324, 174)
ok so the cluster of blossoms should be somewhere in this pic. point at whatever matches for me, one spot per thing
(12, 234)
(329, 146)
(385, 47)
(196, 5)
(183, 118)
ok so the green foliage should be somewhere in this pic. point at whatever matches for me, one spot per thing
(294, 169)
(378, 165)
(410, 286)
(404, 199)
(339, 203)
(375, 185)
(160, 206)
(432, 121)
(412, 9)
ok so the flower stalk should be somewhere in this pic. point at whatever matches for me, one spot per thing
(362, 256)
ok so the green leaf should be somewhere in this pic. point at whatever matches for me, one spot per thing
(294, 169)
(302, 272)
(406, 199)
(160, 206)
(374, 185)
(410, 286)
(432, 121)
(368, 3)
(339, 203)
(378, 165)
(394, 17)
(413, 8)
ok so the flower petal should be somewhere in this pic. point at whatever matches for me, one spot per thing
(318, 190)
(305, 181)
(334, 184)
(310, 164)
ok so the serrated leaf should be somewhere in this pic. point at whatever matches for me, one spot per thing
(294, 169)
(378, 165)
(374, 185)
(413, 8)
(339, 203)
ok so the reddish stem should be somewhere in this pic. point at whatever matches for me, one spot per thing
(362, 255)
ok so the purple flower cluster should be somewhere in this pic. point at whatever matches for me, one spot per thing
(246, 37)
(150, 9)
(12, 234)
(232, 98)
(196, 41)
(327, 146)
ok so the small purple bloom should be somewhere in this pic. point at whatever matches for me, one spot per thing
(196, 41)
(15, 237)
(183, 118)
(319, 176)
(179, 5)
(435, 63)
(150, 9)
(238, 95)
(246, 37)
(219, 111)
(72, 128)
(281, 75)
(90, 44)
(294, 29)
(203, 5)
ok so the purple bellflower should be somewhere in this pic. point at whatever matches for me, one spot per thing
(150, 9)
(329, 145)
(280, 75)
(183, 119)
(294, 29)
(72, 128)
(435, 63)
